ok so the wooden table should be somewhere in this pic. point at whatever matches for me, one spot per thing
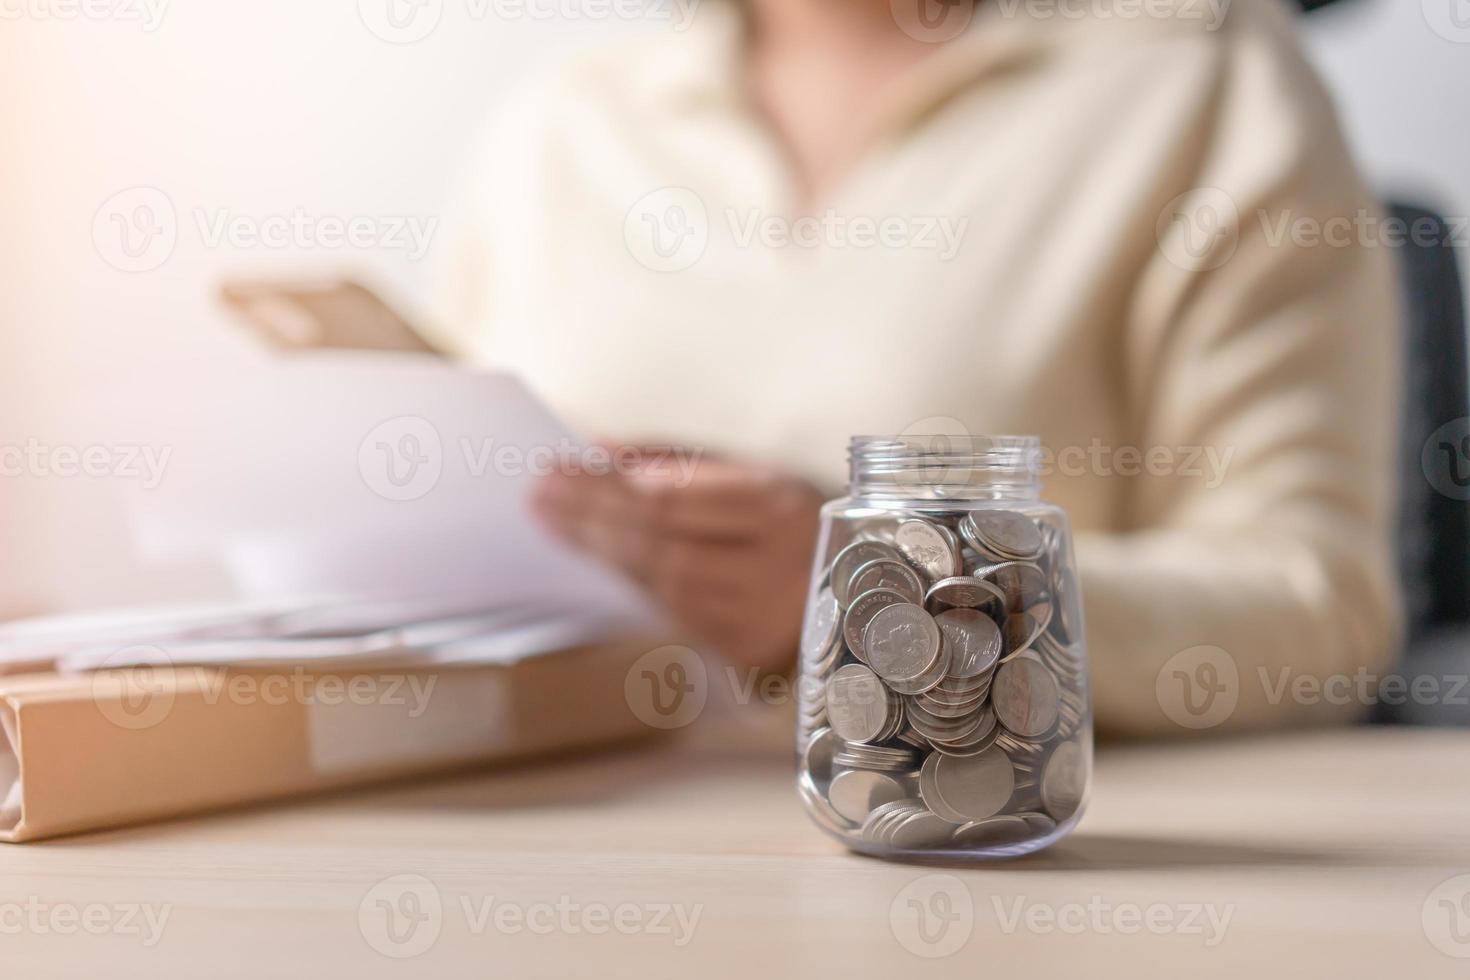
(1319, 854)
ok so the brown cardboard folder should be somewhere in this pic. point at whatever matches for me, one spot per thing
(93, 751)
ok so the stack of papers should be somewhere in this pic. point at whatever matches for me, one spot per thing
(326, 633)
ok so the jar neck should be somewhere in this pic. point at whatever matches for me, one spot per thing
(940, 467)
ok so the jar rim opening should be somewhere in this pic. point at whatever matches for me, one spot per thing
(946, 466)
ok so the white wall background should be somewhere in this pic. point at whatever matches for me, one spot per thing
(1400, 70)
(257, 109)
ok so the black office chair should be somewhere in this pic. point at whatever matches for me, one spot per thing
(1433, 525)
(1434, 508)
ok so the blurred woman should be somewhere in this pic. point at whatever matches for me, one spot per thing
(803, 219)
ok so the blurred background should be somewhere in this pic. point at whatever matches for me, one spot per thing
(233, 114)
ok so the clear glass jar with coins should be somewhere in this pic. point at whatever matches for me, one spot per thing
(943, 708)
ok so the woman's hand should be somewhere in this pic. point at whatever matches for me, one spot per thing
(725, 548)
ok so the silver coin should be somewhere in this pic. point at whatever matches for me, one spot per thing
(1068, 599)
(931, 548)
(819, 629)
(820, 808)
(978, 743)
(996, 830)
(1003, 533)
(908, 826)
(851, 558)
(1025, 754)
(816, 758)
(1040, 823)
(821, 668)
(1022, 583)
(966, 591)
(859, 707)
(856, 755)
(855, 793)
(847, 760)
(910, 737)
(938, 726)
(920, 830)
(1024, 629)
(973, 743)
(1064, 781)
(861, 612)
(978, 786)
(1065, 662)
(938, 701)
(926, 681)
(902, 642)
(941, 709)
(1025, 696)
(986, 733)
(875, 826)
(974, 641)
(942, 737)
(887, 573)
(1073, 710)
(929, 791)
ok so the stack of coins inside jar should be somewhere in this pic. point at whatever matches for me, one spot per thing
(944, 702)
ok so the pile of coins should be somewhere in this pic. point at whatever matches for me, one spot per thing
(944, 697)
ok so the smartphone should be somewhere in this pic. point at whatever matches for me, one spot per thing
(332, 314)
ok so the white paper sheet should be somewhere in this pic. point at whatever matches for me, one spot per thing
(366, 474)
(397, 485)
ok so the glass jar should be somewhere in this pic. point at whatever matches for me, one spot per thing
(943, 697)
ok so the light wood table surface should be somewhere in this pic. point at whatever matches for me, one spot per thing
(1306, 855)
